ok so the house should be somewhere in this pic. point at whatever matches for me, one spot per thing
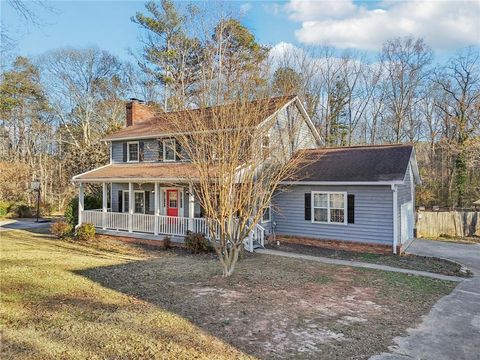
(356, 194)
(362, 194)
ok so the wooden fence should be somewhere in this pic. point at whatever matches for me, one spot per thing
(451, 223)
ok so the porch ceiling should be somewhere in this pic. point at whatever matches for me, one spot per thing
(140, 172)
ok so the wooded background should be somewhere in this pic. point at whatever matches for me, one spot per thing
(55, 108)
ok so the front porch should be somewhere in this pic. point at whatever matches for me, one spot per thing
(144, 223)
(152, 211)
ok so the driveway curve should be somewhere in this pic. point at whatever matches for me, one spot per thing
(452, 328)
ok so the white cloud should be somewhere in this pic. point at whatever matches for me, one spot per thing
(301, 10)
(444, 25)
(245, 8)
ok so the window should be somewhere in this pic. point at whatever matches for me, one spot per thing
(265, 146)
(169, 150)
(267, 214)
(172, 199)
(132, 151)
(139, 201)
(329, 207)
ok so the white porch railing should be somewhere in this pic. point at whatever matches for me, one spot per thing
(161, 224)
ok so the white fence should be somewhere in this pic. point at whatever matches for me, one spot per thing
(161, 224)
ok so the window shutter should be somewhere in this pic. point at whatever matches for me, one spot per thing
(308, 206)
(120, 201)
(125, 152)
(141, 148)
(351, 208)
(178, 150)
(160, 150)
(147, 202)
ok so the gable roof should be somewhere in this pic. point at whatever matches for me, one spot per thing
(167, 123)
(359, 164)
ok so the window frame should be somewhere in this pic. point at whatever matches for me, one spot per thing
(128, 151)
(265, 150)
(165, 148)
(269, 209)
(345, 207)
(127, 192)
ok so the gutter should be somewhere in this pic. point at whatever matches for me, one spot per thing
(300, 182)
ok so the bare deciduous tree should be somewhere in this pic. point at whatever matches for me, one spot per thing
(239, 162)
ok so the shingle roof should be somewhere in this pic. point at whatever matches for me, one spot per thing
(171, 122)
(141, 171)
(356, 163)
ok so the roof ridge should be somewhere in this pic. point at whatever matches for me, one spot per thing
(360, 147)
(273, 98)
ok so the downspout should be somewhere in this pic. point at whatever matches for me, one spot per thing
(395, 218)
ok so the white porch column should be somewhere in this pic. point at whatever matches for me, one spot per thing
(80, 203)
(157, 207)
(131, 206)
(191, 207)
(104, 205)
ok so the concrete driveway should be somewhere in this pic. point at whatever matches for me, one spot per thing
(23, 224)
(452, 328)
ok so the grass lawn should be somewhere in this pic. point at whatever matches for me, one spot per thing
(110, 300)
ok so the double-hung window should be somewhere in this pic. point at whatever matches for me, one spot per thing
(265, 146)
(267, 214)
(329, 207)
(133, 151)
(169, 149)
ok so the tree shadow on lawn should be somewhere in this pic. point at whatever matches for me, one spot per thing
(277, 307)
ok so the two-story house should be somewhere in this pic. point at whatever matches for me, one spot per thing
(355, 194)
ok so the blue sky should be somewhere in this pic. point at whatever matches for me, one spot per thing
(445, 25)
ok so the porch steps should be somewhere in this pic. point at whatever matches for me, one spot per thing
(257, 245)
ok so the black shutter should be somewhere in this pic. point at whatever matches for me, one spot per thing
(160, 150)
(147, 202)
(124, 152)
(308, 206)
(351, 209)
(178, 150)
(120, 201)
(141, 148)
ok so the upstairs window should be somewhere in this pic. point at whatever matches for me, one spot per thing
(265, 146)
(132, 152)
(329, 207)
(169, 146)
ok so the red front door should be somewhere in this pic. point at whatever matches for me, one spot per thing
(172, 202)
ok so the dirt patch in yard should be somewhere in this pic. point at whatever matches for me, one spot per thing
(405, 261)
(280, 308)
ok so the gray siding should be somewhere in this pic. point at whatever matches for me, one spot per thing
(117, 151)
(373, 214)
(290, 132)
(150, 150)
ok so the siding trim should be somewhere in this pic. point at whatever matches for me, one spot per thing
(395, 219)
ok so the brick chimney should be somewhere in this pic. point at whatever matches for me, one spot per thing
(138, 111)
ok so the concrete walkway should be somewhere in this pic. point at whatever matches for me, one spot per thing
(452, 328)
(359, 264)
